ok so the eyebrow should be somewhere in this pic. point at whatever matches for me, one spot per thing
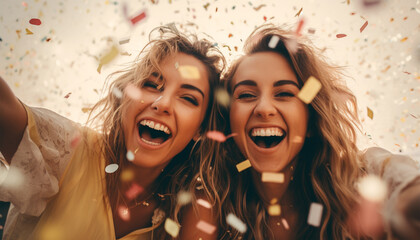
(191, 87)
(246, 83)
(284, 82)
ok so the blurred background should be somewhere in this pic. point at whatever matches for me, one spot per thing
(53, 61)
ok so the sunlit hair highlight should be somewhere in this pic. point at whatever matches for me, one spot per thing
(328, 164)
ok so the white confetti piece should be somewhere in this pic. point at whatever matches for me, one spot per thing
(309, 90)
(372, 188)
(184, 198)
(172, 227)
(132, 92)
(235, 222)
(130, 156)
(203, 203)
(117, 92)
(315, 214)
(206, 227)
(189, 72)
(243, 165)
(111, 168)
(273, 41)
(285, 224)
(222, 97)
(272, 177)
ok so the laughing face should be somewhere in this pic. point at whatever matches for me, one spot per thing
(168, 112)
(271, 122)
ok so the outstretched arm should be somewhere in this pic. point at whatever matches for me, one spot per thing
(13, 120)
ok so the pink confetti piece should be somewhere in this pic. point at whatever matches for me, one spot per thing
(133, 191)
(219, 136)
(315, 214)
(35, 21)
(67, 95)
(124, 213)
(133, 92)
(364, 26)
(75, 140)
(138, 18)
(341, 35)
(204, 203)
(206, 227)
(285, 224)
(300, 26)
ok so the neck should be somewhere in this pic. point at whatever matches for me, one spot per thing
(280, 191)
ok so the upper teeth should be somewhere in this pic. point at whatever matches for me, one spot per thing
(155, 125)
(273, 131)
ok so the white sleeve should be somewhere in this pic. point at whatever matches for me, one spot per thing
(39, 162)
(398, 171)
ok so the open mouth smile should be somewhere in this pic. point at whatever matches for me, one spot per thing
(153, 133)
(267, 137)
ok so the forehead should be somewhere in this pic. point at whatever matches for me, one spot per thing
(264, 67)
(185, 69)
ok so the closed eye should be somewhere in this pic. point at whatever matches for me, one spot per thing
(150, 84)
(245, 96)
(285, 94)
(190, 99)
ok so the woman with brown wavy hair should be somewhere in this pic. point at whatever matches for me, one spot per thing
(121, 181)
(302, 152)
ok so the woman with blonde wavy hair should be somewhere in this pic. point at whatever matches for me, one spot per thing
(302, 153)
(122, 179)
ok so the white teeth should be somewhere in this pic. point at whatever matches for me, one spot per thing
(265, 132)
(149, 142)
(156, 126)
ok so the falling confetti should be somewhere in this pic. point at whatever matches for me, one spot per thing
(311, 30)
(297, 139)
(285, 224)
(35, 21)
(273, 41)
(315, 214)
(189, 72)
(124, 213)
(183, 198)
(67, 95)
(274, 210)
(138, 18)
(117, 92)
(132, 92)
(235, 222)
(203, 203)
(341, 35)
(75, 140)
(172, 227)
(259, 7)
(124, 41)
(127, 175)
(28, 32)
(272, 177)
(364, 26)
(404, 39)
(222, 97)
(130, 156)
(309, 90)
(298, 13)
(133, 191)
(370, 113)
(243, 165)
(372, 188)
(109, 56)
(206, 227)
(300, 26)
(111, 168)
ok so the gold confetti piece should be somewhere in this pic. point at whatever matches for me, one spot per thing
(285, 224)
(109, 56)
(340, 35)
(259, 7)
(130, 156)
(111, 168)
(298, 13)
(235, 222)
(311, 30)
(172, 227)
(372, 188)
(127, 175)
(243, 165)
(370, 113)
(402, 119)
(183, 198)
(274, 210)
(28, 32)
(222, 97)
(124, 41)
(203, 203)
(309, 90)
(364, 26)
(189, 72)
(206, 227)
(272, 177)
(386, 69)
(404, 39)
(50, 231)
(273, 201)
(86, 109)
(315, 214)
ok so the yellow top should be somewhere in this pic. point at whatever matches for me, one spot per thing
(80, 209)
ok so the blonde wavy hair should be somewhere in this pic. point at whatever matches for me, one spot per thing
(329, 163)
(106, 116)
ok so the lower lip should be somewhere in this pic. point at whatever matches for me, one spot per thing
(146, 145)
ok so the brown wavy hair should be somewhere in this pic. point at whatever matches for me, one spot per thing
(328, 164)
(182, 171)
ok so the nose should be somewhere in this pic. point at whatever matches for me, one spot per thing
(162, 104)
(265, 108)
